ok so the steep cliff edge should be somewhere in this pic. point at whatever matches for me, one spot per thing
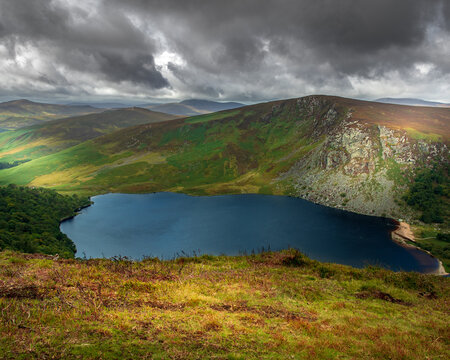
(362, 164)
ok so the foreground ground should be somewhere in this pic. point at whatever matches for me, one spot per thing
(271, 305)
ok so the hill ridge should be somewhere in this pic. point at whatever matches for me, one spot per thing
(316, 147)
(412, 102)
(16, 114)
(55, 135)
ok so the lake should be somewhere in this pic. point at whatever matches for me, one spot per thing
(167, 225)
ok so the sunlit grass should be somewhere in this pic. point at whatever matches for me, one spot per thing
(270, 305)
(418, 135)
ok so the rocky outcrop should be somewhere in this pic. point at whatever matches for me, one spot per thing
(357, 166)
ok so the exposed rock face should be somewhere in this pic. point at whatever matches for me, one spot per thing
(357, 166)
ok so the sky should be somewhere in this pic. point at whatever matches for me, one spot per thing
(235, 50)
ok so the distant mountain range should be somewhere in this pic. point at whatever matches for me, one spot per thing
(193, 107)
(411, 102)
(103, 105)
(22, 113)
(19, 113)
(189, 107)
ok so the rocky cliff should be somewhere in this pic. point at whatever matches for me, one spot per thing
(360, 165)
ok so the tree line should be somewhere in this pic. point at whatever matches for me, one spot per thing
(429, 193)
(30, 217)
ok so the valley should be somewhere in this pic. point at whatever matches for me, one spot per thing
(349, 154)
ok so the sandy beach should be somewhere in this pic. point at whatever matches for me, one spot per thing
(403, 234)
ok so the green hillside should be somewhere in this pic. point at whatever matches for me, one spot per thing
(39, 140)
(356, 155)
(198, 154)
(20, 113)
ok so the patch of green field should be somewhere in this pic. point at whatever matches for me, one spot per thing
(81, 154)
(431, 239)
(418, 135)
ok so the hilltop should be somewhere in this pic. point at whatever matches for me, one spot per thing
(19, 113)
(411, 101)
(32, 142)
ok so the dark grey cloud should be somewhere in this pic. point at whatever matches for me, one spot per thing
(238, 50)
(337, 31)
(108, 46)
(138, 68)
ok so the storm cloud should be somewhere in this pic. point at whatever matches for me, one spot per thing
(251, 50)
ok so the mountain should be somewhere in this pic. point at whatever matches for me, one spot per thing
(193, 107)
(103, 105)
(411, 102)
(38, 140)
(357, 155)
(19, 113)
(211, 106)
(29, 107)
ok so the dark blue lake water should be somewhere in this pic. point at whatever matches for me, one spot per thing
(167, 224)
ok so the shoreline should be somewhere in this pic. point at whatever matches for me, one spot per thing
(403, 234)
(76, 212)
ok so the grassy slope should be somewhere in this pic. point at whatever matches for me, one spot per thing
(240, 150)
(21, 113)
(222, 152)
(429, 122)
(271, 305)
(39, 140)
